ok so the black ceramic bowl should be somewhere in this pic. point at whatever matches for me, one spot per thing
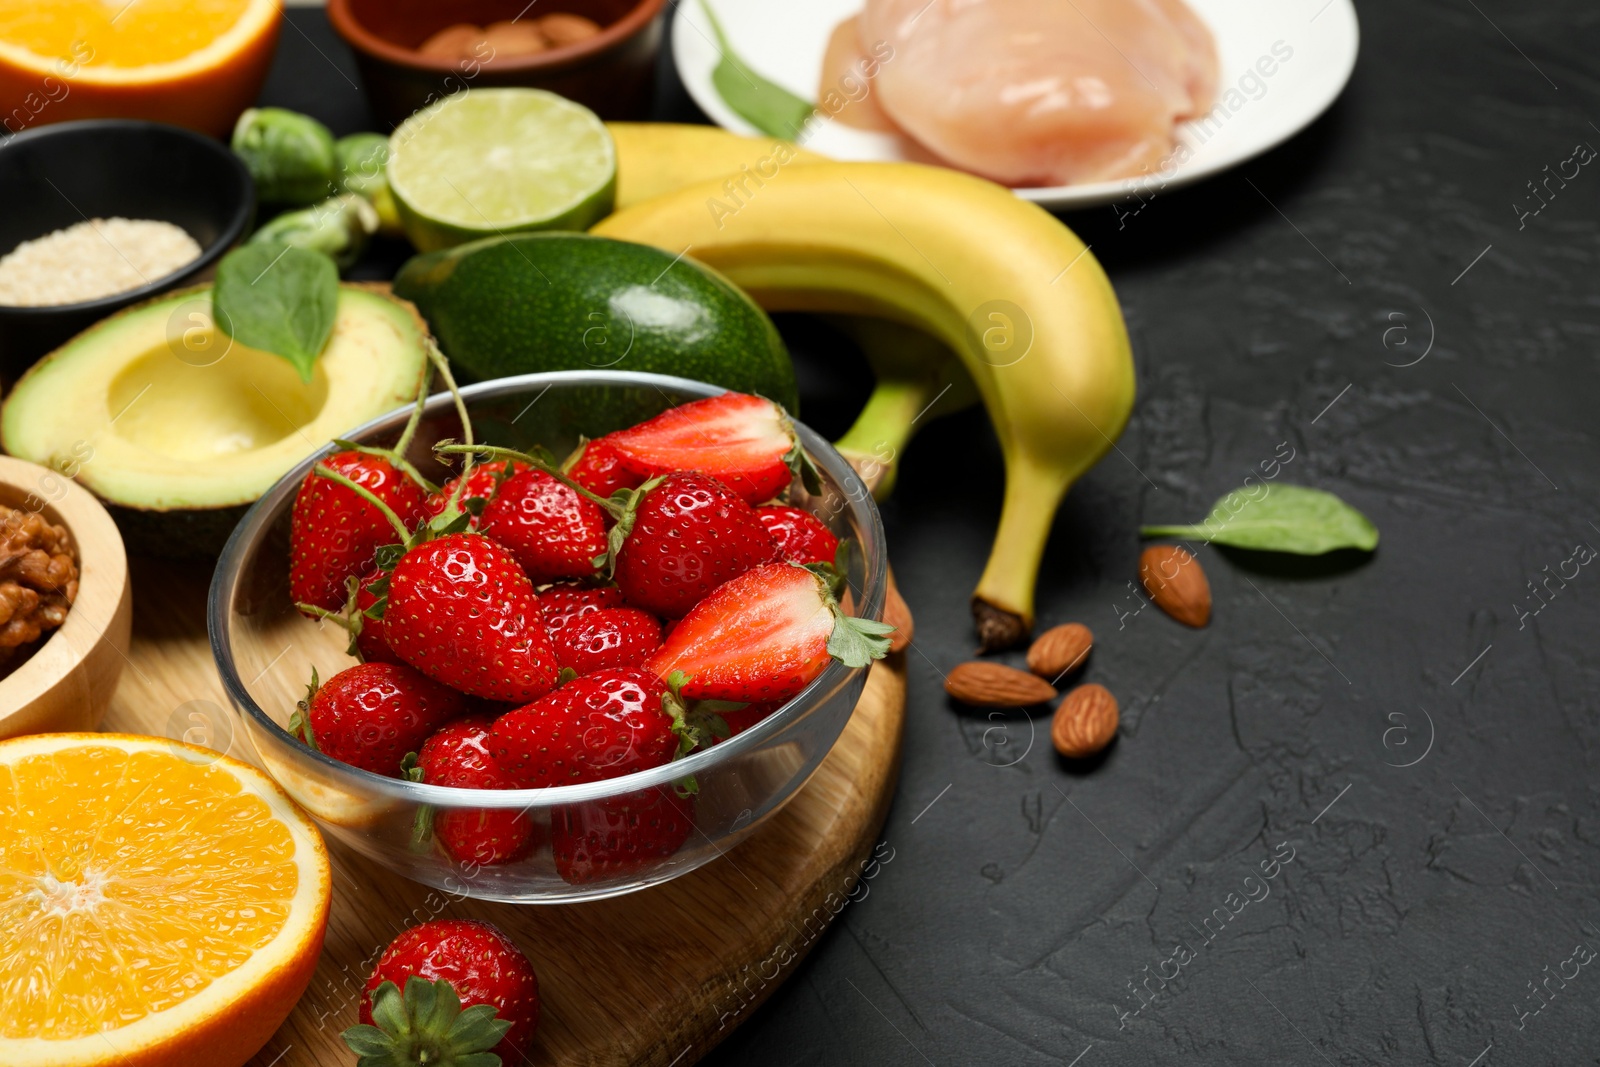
(55, 176)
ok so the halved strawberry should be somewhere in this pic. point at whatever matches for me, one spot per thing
(598, 467)
(745, 441)
(764, 636)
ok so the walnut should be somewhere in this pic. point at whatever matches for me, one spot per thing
(38, 577)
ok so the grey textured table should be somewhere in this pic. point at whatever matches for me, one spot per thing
(1371, 295)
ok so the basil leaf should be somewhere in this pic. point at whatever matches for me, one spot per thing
(1290, 518)
(767, 106)
(279, 299)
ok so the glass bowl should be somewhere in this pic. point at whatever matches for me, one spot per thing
(636, 830)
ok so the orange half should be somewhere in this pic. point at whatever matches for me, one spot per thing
(195, 63)
(159, 904)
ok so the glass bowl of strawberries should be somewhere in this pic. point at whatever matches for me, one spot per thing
(553, 637)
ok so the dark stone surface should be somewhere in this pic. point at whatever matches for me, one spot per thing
(1023, 896)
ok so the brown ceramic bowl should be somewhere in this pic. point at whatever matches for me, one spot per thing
(611, 73)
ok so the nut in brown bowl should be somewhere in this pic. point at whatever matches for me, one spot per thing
(600, 53)
(66, 605)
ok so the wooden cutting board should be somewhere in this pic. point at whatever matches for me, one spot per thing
(657, 977)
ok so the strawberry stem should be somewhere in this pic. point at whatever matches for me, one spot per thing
(399, 461)
(412, 423)
(443, 365)
(338, 618)
(366, 494)
(611, 507)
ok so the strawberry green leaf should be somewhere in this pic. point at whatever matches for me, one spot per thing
(857, 642)
(426, 1025)
(300, 718)
(410, 768)
(804, 469)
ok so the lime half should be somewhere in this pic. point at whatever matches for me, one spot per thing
(491, 161)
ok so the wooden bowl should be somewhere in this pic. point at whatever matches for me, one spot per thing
(611, 73)
(66, 684)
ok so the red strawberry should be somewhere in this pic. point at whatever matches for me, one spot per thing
(462, 612)
(458, 756)
(334, 532)
(370, 642)
(801, 536)
(619, 835)
(601, 725)
(475, 960)
(567, 602)
(598, 468)
(552, 531)
(741, 719)
(606, 637)
(690, 534)
(372, 714)
(481, 483)
(746, 441)
(764, 636)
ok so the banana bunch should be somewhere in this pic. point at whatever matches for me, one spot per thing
(1016, 297)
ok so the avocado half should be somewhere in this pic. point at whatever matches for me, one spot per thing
(178, 429)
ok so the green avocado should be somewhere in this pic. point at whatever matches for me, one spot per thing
(564, 301)
(178, 429)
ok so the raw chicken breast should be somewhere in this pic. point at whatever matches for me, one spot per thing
(845, 91)
(1043, 92)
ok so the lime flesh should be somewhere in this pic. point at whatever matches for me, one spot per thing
(494, 161)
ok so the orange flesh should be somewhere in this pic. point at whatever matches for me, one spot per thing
(116, 33)
(132, 889)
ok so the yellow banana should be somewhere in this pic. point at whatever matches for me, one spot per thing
(918, 379)
(912, 370)
(1011, 290)
(660, 157)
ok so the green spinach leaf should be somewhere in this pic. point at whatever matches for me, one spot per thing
(766, 105)
(1288, 518)
(279, 299)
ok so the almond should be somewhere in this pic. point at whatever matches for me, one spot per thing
(1174, 580)
(994, 685)
(1059, 650)
(898, 615)
(1085, 722)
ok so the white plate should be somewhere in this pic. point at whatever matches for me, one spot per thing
(785, 40)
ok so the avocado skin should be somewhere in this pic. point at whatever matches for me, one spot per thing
(561, 301)
(178, 534)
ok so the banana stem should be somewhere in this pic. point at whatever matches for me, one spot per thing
(1002, 605)
(874, 444)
